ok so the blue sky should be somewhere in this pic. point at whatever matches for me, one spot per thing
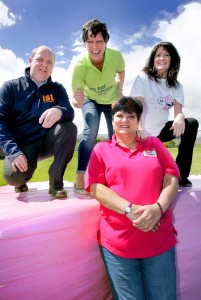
(134, 26)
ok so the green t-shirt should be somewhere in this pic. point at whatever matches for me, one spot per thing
(98, 85)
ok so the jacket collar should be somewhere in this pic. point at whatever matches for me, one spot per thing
(27, 75)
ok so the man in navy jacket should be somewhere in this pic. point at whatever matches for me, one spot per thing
(35, 123)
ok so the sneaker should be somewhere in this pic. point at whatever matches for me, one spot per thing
(80, 191)
(22, 188)
(185, 182)
(58, 192)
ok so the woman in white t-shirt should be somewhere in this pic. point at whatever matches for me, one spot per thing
(159, 90)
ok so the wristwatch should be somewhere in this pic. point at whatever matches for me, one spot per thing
(128, 208)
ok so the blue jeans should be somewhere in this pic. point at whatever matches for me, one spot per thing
(91, 112)
(144, 278)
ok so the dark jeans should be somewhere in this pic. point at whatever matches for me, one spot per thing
(59, 142)
(185, 150)
(91, 112)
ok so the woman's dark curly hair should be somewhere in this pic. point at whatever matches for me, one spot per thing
(173, 70)
(93, 27)
(128, 105)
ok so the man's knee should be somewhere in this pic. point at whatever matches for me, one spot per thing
(68, 129)
(69, 134)
(15, 178)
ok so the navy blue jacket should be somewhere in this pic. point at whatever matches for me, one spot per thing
(22, 103)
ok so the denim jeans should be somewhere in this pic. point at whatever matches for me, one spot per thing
(91, 112)
(144, 278)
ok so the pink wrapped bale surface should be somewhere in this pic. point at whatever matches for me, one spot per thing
(187, 220)
(48, 247)
(49, 251)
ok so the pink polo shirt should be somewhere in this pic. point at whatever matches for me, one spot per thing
(136, 176)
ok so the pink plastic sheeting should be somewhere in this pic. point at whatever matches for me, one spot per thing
(48, 249)
(187, 219)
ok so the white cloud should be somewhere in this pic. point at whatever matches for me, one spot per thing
(60, 53)
(78, 49)
(10, 65)
(136, 36)
(78, 45)
(6, 18)
(64, 76)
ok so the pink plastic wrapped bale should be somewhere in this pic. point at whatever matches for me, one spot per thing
(48, 247)
(187, 220)
(49, 251)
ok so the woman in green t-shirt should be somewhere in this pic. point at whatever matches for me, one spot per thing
(97, 82)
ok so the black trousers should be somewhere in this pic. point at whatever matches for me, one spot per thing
(185, 149)
(59, 142)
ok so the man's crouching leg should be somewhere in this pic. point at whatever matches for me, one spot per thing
(63, 140)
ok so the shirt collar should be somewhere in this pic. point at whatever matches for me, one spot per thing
(38, 85)
(115, 143)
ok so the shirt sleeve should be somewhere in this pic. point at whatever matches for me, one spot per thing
(165, 157)
(180, 94)
(121, 66)
(96, 168)
(7, 140)
(138, 87)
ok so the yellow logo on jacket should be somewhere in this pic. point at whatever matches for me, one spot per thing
(48, 98)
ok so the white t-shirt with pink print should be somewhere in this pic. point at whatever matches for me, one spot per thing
(158, 100)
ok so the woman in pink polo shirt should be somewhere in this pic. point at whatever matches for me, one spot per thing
(135, 182)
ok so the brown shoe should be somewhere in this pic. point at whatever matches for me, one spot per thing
(22, 188)
(58, 192)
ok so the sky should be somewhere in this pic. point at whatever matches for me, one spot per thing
(135, 26)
